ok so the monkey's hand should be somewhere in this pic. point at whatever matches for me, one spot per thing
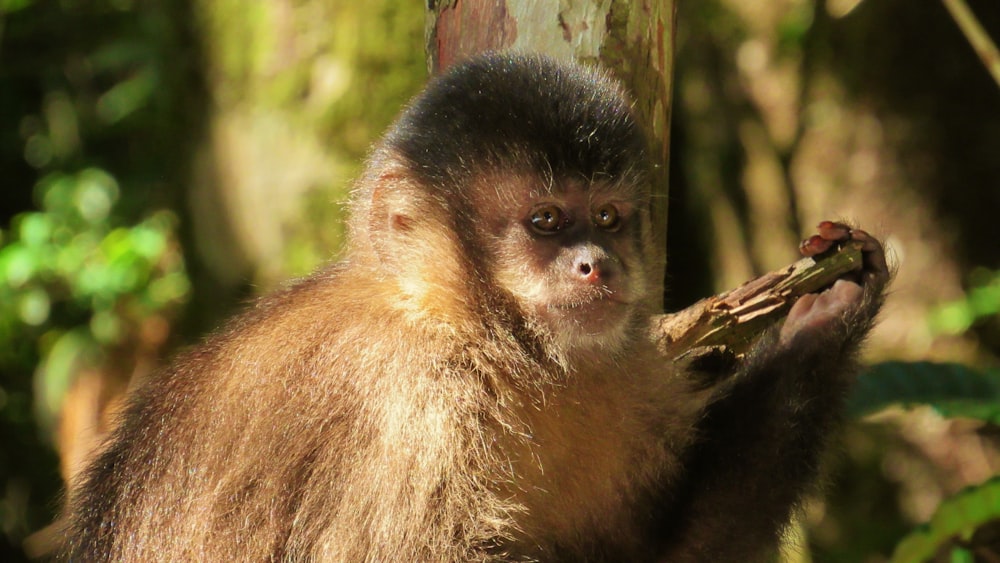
(834, 315)
(761, 440)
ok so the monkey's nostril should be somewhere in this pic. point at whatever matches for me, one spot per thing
(589, 272)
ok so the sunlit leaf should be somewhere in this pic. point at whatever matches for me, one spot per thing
(128, 96)
(952, 318)
(169, 289)
(70, 258)
(983, 300)
(68, 352)
(91, 280)
(35, 229)
(957, 518)
(953, 389)
(17, 265)
(117, 244)
(96, 192)
(106, 327)
(124, 275)
(148, 242)
(34, 306)
(56, 192)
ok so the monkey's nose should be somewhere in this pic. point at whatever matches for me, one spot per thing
(591, 271)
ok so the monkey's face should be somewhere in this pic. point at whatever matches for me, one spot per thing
(571, 256)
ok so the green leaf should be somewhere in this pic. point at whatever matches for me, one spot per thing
(55, 191)
(982, 301)
(17, 265)
(962, 556)
(96, 192)
(106, 327)
(35, 229)
(171, 288)
(127, 96)
(957, 518)
(69, 352)
(34, 306)
(148, 242)
(952, 389)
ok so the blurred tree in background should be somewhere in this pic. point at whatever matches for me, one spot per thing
(162, 161)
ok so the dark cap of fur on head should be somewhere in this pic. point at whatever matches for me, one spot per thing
(501, 110)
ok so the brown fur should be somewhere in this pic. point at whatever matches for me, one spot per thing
(445, 393)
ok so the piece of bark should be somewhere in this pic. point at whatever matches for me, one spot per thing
(733, 320)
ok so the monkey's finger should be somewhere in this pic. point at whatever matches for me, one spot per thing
(831, 230)
(814, 245)
(873, 260)
(827, 234)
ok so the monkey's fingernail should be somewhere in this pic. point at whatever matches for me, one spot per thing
(814, 245)
(833, 231)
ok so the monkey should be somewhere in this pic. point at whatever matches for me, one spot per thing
(475, 378)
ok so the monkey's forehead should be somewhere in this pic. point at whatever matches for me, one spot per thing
(515, 111)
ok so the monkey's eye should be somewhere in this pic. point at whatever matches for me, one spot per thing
(607, 217)
(547, 219)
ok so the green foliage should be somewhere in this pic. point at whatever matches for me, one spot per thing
(981, 302)
(73, 286)
(951, 389)
(88, 94)
(78, 284)
(953, 524)
(794, 28)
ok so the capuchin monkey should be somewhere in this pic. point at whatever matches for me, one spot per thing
(477, 380)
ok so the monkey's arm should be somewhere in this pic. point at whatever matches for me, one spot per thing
(761, 443)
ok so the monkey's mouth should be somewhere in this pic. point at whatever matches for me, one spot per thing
(600, 302)
(594, 314)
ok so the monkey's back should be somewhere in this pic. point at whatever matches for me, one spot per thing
(371, 432)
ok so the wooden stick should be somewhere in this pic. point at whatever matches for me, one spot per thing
(733, 320)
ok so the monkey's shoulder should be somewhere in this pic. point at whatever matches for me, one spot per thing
(337, 327)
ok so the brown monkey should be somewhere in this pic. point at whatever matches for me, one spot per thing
(476, 380)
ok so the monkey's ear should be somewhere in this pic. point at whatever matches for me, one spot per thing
(392, 217)
(417, 248)
(411, 234)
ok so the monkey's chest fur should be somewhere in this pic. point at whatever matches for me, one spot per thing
(588, 468)
(515, 462)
